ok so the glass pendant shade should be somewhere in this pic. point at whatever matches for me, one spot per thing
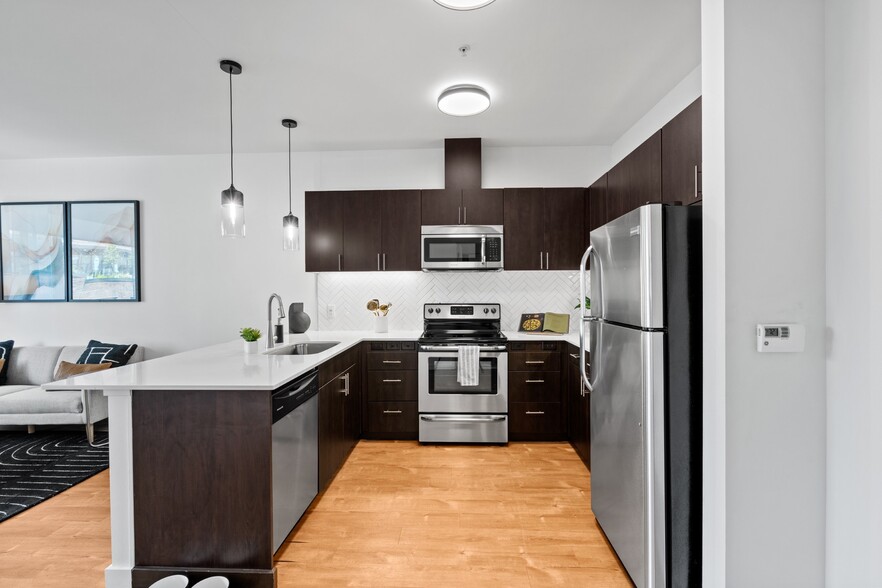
(233, 216)
(290, 233)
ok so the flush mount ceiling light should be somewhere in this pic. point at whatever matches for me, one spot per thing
(290, 223)
(232, 200)
(464, 100)
(463, 4)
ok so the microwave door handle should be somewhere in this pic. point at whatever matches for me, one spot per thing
(484, 251)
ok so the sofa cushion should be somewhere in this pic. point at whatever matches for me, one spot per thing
(32, 366)
(38, 401)
(68, 370)
(73, 352)
(5, 354)
(98, 352)
(4, 390)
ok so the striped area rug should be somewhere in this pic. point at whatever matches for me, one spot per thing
(40, 465)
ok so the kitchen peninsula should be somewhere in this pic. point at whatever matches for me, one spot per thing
(191, 450)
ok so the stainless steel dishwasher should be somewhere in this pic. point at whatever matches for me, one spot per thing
(295, 453)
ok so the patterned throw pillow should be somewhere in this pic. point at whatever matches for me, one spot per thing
(5, 354)
(98, 352)
(67, 369)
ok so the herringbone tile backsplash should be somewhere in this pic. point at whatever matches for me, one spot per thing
(517, 292)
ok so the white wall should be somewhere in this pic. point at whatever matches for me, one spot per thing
(854, 291)
(680, 96)
(199, 288)
(764, 222)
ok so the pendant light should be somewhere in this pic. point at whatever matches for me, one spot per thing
(290, 223)
(232, 200)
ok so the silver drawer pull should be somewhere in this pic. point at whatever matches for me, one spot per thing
(535, 412)
(391, 381)
(574, 355)
(535, 381)
(391, 361)
(391, 412)
(461, 419)
(535, 361)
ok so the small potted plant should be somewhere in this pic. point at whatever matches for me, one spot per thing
(250, 336)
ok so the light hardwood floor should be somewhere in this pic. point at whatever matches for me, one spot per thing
(398, 514)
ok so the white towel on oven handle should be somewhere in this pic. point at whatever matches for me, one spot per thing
(468, 365)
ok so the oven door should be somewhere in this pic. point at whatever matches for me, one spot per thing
(439, 391)
(452, 252)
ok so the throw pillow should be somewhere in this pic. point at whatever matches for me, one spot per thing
(67, 369)
(5, 354)
(98, 352)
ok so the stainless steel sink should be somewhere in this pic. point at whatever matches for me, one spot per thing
(309, 348)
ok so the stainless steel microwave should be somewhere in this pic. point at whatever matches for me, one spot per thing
(461, 247)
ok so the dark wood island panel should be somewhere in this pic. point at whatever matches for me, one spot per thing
(202, 473)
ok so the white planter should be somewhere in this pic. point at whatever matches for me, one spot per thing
(381, 324)
(250, 347)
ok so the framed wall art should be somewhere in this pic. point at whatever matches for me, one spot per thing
(33, 252)
(104, 251)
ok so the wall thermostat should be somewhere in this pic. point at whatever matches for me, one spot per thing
(780, 338)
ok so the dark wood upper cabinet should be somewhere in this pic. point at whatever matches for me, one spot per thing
(361, 231)
(323, 228)
(544, 228)
(565, 238)
(636, 180)
(596, 214)
(441, 207)
(462, 163)
(467, 206)
(400, 219)
(524, 229)
(681, 156)
(482, 206)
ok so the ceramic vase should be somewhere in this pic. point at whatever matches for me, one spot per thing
(381, 324)
(250, 347)
(298, 321)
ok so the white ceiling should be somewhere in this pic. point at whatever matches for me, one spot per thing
(127, 77)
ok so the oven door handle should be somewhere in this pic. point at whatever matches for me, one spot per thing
(453, 349)
(462, 419)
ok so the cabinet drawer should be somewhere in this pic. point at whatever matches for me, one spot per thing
(392, 420)
(533, 346)
(391, 360)
(388, 385)
(534, 421)
(534, 361)
(534, 386)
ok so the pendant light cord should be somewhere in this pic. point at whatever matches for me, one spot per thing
(231, 128)
(289, 170)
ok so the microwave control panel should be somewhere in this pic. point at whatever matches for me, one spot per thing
(493, 248)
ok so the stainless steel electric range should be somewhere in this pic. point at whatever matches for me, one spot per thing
(449, 411)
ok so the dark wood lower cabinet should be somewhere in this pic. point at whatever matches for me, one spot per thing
(391, 381)
(579, 411)
(202, 480)
(534, 421)
(535, 412)
(339, 412)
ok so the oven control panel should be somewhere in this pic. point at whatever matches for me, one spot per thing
(461, 311)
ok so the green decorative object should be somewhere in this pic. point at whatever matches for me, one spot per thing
(249, 334)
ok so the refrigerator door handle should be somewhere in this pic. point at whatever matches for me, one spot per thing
(582, 317)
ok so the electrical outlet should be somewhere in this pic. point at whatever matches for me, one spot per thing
(332, 311)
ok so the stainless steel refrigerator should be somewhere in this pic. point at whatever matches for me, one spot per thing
(644, 329)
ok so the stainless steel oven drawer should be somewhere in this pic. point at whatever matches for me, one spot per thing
(463, 428)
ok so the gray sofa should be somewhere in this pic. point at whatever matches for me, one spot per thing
(24, 402)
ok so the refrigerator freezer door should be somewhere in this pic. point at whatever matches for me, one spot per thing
(627, 269)
(627, 447)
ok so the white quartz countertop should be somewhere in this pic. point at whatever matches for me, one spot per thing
(225, 366)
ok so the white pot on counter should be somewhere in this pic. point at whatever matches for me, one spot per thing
(381, 324)
(250, 347)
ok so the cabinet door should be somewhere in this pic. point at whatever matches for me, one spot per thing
(643, 173)
(323, 228)
(331, 422)
(441, 207)
(681, 156)
(482, 206)
(400, 248)
(361, 231)
(616, 201)
(596, 209)
(564, 227)
(524, 229)
(578, 416)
